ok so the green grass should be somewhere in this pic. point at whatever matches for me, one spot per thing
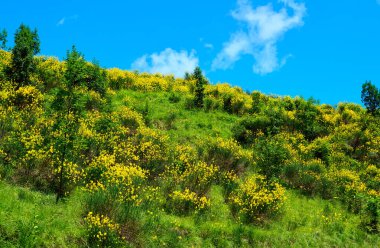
(32, 219)
(188, 125)
(301, 224)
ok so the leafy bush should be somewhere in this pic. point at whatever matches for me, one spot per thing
(102, 231)
(256, 199)
(271, 156)
(226, 154)
(185, 202)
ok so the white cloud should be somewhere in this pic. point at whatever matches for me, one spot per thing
(263, 27)
(63, 20)
(168, 61)
(211, 46)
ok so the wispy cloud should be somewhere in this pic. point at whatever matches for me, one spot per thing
(378, 2)
(63, 20)
(263, 26)
(209, 46)
(168, 61)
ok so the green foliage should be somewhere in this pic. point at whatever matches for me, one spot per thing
(3, 39)
(154, 169)
(27, 45)
(200, 83)
(271, 155)
(370, 97)
(75, 74)
(256, 199)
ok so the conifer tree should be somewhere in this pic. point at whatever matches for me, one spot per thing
(370, 97)
(3, 39)
(200, 83)
(27, 45)
(69, 108)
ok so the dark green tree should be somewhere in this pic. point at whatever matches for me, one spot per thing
(371, 97)
(81, 73)
(200, 83)
(75, 74)
(27, 44)
(69, 107)
(3, 39)
(96, 78)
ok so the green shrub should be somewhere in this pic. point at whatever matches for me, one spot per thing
(256, 200)
(271, 156)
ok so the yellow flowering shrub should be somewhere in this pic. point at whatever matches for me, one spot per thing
(102, 231)
(184, 155)
(150, 83)
(234, 99)
(93, 100)
(151, 148)
(5, 60)
(119, 79)
(184, 202)
(127, 180)
(123, 180)
(27, 97)
(130, 118)
(198, 176)
(181, 86)
(371, 177)
(226, 154)
(49, 72)
(256, 199)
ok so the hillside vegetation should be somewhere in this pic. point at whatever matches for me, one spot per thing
(112, 158)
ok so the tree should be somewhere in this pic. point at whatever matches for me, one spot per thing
(27, 45)
(3, 39)
(370, 97)
(81, 73)
(68, 107)
(75, 74)
(200, 83)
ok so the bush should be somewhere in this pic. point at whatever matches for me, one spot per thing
(27, 97)
(252, 127)
(371, 214)
(185, 202)
(271, 156)
(174, 97)
(306, 176)
(226, 154)
(255, 200)
(102, 231)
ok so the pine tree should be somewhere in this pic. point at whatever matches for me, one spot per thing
(3, 39)
(68, 107)
(200, 83)
(27, 45)
(371, 97)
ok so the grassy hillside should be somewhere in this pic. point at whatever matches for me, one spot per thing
(93, 157)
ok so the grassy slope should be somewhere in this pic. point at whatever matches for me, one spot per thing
(189, 125)
(302, 223)
(33, 219)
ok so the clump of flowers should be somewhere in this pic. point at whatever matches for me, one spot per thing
(199, 176)
(184, 202)
(227, 154)
(255, 199)
(102, 231)
(124, 180)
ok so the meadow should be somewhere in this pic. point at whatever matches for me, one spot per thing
(96, 157)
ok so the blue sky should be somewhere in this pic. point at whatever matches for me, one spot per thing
(323, 49)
